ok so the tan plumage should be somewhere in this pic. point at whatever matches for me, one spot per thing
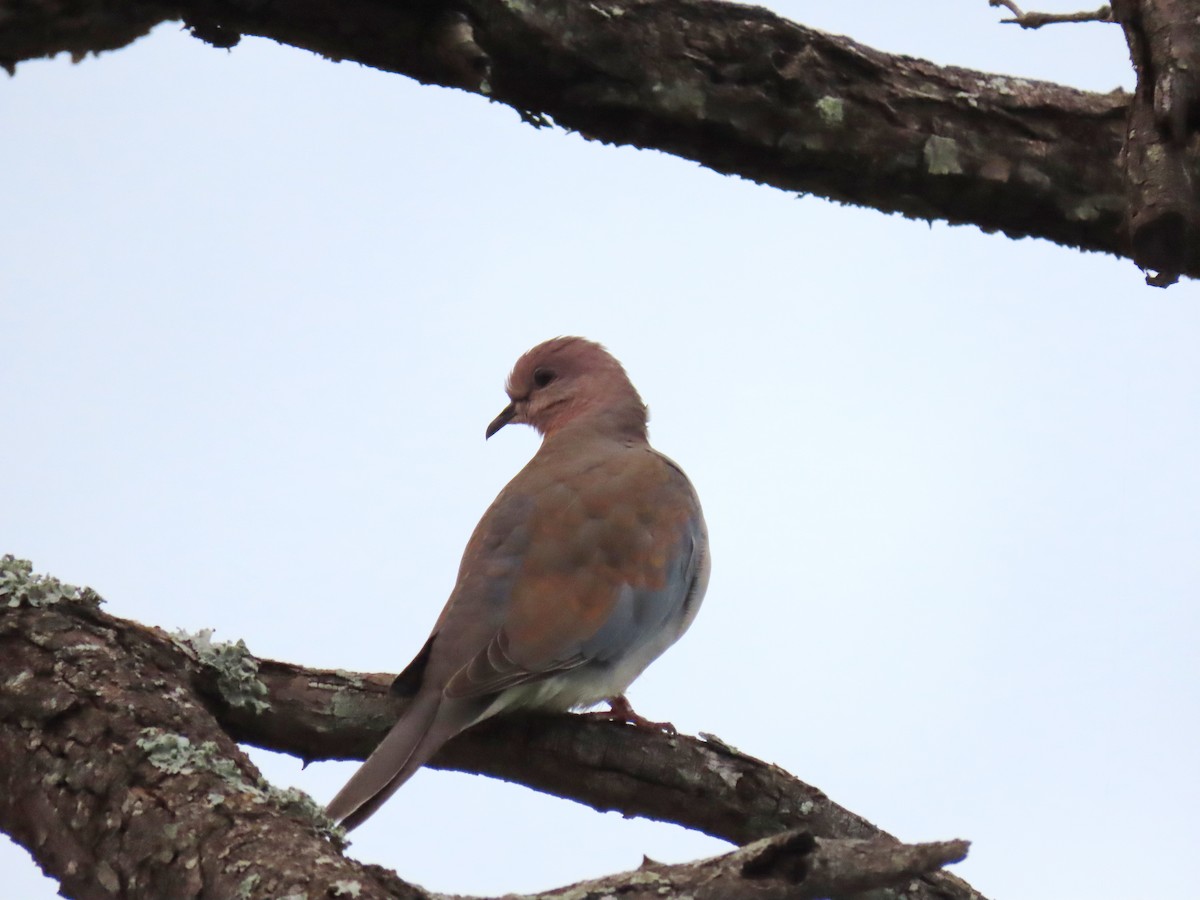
(590, 563)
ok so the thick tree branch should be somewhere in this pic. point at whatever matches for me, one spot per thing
(122, 785)
(1164, 218)
(120, 771)
(735, 87)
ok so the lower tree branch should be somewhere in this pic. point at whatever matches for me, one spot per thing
(122, 785)
(790, 866)
(120, 774)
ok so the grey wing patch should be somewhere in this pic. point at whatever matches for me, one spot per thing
(641, 625)
(658, 617)
(699, 567)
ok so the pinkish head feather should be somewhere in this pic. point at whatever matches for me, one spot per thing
(568, 380)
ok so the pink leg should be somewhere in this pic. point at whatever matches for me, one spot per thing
(619, 710)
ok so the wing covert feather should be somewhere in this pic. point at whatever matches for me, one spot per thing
(606, 560)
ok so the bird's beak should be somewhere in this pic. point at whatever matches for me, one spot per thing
(506, 415)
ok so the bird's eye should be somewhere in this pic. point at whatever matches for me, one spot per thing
(542, 377)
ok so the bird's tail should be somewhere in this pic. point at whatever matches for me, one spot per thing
(421, 731)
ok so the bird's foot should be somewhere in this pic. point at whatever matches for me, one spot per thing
(619, 710)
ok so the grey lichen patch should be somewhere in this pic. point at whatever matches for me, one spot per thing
(19, 586)
(716, 742)
(941, 156)
(646, 877)
(720, 767)
(300, 805)
(1003, 84)
(172, 753)
(236, 668)
(971, 99)
(246, 888)
(297, 801)
(608, 12)
(832, 110)
(175, 754)
(346, 705)
(83, 647)
(355, 679)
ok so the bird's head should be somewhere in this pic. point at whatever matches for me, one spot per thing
(568, 379)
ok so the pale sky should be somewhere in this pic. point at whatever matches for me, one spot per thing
(257, 309)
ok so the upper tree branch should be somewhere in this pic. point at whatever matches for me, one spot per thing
(734, 87)
(118, 772)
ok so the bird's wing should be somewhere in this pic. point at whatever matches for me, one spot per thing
(612, 555)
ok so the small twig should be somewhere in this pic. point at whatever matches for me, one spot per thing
(1038, 19)
(1009, 5)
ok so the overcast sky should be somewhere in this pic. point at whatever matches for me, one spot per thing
(257, 309)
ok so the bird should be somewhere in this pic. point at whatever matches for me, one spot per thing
(590, 563)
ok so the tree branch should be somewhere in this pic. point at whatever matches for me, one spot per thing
(1038, 19)
(119, 772)
(734, 87)
(791, 866)
(122, 785)
(1164, 42)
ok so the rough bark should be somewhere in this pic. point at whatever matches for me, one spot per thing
(120, 774)
(736, 88)
(122, 785)
(1164, 43)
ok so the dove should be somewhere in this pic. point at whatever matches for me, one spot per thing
(589, 564)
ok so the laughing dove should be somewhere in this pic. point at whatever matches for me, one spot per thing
(587, 566)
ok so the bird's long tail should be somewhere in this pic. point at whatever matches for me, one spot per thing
(423, 728)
